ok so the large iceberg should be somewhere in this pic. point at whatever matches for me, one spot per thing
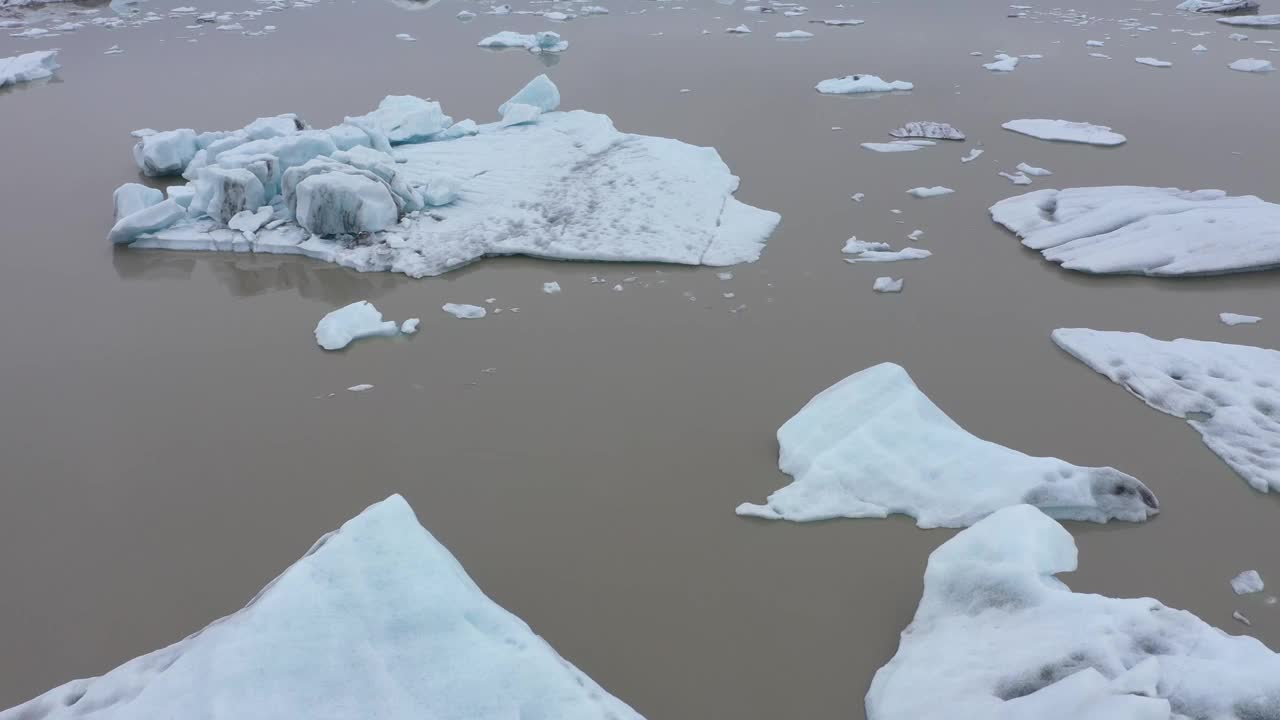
(1146, 230)
(873, 444)
(1229, 393)
(377, 620)
(405, 189)
(27, 67)
(996, 636)
(1066, 131)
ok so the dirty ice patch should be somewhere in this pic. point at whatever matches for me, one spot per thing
(873, 444)
(1066, 131)
(1229, 393)
(1145, 230)
(997, 636)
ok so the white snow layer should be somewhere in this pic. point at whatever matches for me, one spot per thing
(27, 67)
(1066, 131)
(996, 636)
(873, 444)
(1146, 230)
(856, 84)
(1247, 582)
(377, 620)
(358, 320)
(560, 185)
(1229, 393)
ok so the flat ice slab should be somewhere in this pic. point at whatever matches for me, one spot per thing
(347, 324)
(997, 636)
(1252, 21)
(27, 67)
(793, 35)
(1247, 582)
(534, 42)
(1235, 319)
(1218, 6)
(1066, 131)
(1146, 230)
(1153, 62)
(928, 192)
(857, 84)
(377, 620)
(1252, 65)
(864, 251)
(465, 312)
(1229, 393)
(896, 146)
(873, 444)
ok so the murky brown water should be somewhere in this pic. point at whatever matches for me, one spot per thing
(165, 453)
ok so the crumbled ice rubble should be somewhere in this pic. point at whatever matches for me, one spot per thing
(345, 325)
(1032, 170)
(1146, 230)
(898, 146)
(378, 619)
(1252, 65)
(1229, 393)
(974, 154)
(864, 251)
(27, 67)
(405, 189)
(1018, 178)
(855, 84)
(1066, 131)
(873, 444)
(926, 129)
(1218, 6)
(997, 636)
(541, 42)
(886, 284)
(551, 288)
(741, 30)
(1002, 63)
(793, 35)
(1153, 62)
(465, 312)
(928, 192)
(1252, 21)
(1247, 582)
(1234, 319)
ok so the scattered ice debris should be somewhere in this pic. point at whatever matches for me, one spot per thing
(1146, 230)
(499, 10)
(974, 154)
(557, 16)
(1247, 582)
(231, 27)
(355, 388)
(793, 35)
(410, 326)
(1233, 319)
(27, 67)
(873, 444)
(1016, 178)
(1200, 49)
(391, 177)
(1228, 393)
(1252, 65)
(551, 288)
(925, 129)
(886, 284)
(898, 146)
(928, 192)
(1218, 6)
(1066, 131)
(541, 42)
(741, 30)
(855, 84)
(466, 312)
(358, 320)
(1002, 63)
(996, 635)
(1031, 170)
(864, 251)
(1153, 62)
(1252, 21)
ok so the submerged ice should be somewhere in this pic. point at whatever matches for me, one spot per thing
(873, 444)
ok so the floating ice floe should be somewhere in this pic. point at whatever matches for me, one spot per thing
(741, 30)
(551, 288)
(1066, 131)
(839, 23)
(1218, 6)
(345, 325)
(1146, 230)
(793, 35)
(886, 284)
(27, 67)
(1018, 178)
(864, 251)
(1234, 319)
(873, 444)
(1237, 37)
(1002, 63)
(1102, 56)
(378, 619)
(1229, 393)
(405, 189)
(997, 636)
(1153, 62)
(856, 84)
(926, 129)
(974, 154)
(541, 42)
(898, 146)
(1094, 43)
(1247, 582)
(410, 326)
(465, 312)
(1252, 65)
(354, 388)
(1032, 170)
(1200, 49)
(928, 192)
(1252, 21)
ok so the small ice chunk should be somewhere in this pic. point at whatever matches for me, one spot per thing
(1247, 582)
(132, 197)
(1238, 37)
(857, 197)
(839, 23)
(361, 387)
(410, 326)
(1153, 62)
(724, 275)
(1200, 49)
(740, 30)
(539, 92)
(857, 84)
(1066, 131)
(886, 284)
(915, 235)
(465, 312)
(1002, 63)
(165, 153)
(465, 15)
(1016, 178)
(1240, 617)
(149, 219)
(1252, 65)
(897, 146)
(864, 251)
(1094, 43)
(927, 129)
(405, 36)
(347, 324)
(113, 50)
(1234, 319)
(442, 190)
(247, 221)
(551, 288)
(1100, 55)
(974, 154)
(548, 42)
(1032, 170)
(928, 192)
(793, 35)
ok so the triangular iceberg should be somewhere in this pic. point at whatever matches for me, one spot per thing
(377, 620)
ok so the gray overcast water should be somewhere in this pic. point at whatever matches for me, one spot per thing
(166, 452)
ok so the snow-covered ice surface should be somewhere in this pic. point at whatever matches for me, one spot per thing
(996, 636)
(1252, 21)
(1235, 319)
(347, 324)
(1229, 393)
(874, 444)
(928, 129)
(857, 84)
(27, 67)
(1146, 230)
(886, 284)
(378, 619)
(1066, 131)
(558, 185)
(1252, 65)
(1249, 581)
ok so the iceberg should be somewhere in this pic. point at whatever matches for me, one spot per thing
(1146, 231)
(548, 42)
(1252, 65)
(997, 636)
(376, 620)
(1247, 582)
(1252, 21)
(345, 325)
(886, 284)
(1229, 393)
(926, 129)
(132, 197)
(1066, 131)
(857, 84)
(383, 192)
(1235, 319)
(27, 67)
(874, 444)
